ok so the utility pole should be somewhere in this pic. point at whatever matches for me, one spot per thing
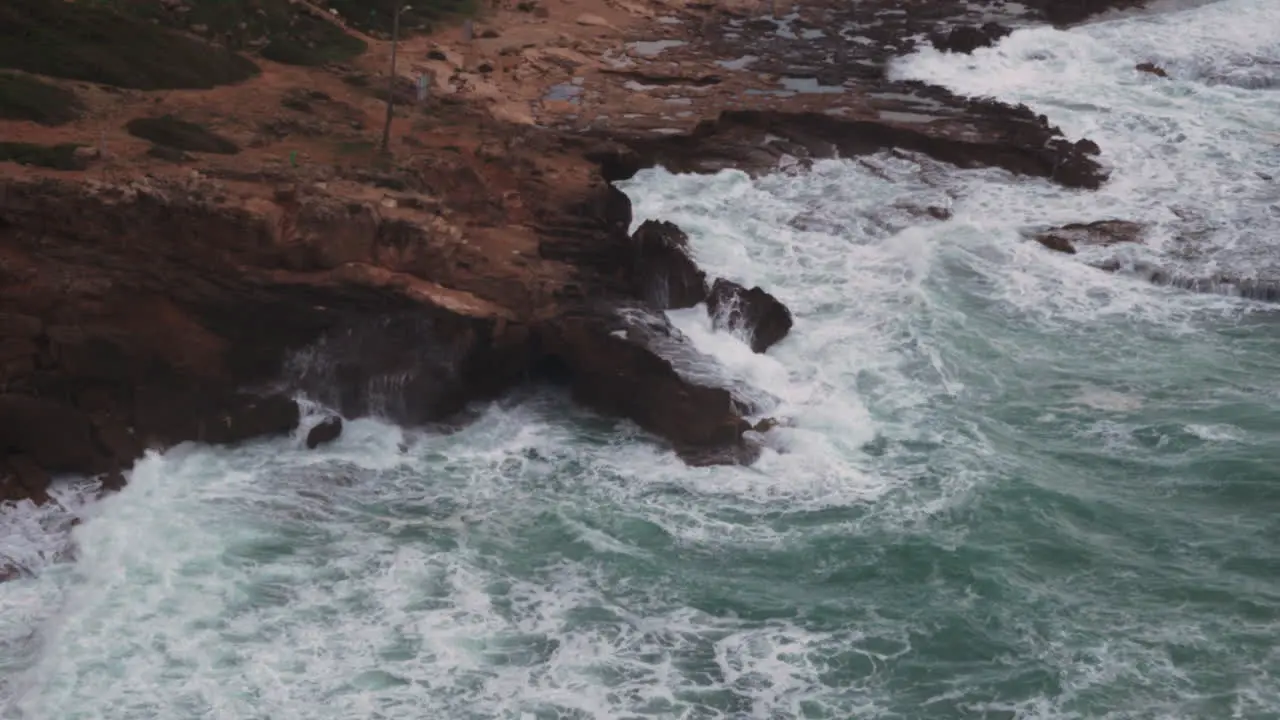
(391, 84)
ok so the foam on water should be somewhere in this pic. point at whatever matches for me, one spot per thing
(1193, 155)
(1008, 483)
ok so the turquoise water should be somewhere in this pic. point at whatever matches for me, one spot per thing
(1012, 486)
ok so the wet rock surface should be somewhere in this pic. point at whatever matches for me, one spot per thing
(967, 38)
(1151, 69)
(324, 432)
(1102, 233)
(665, 275)
(754, 313)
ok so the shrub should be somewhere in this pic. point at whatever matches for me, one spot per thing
(292, 36)
(180, 135)
(375, 16)
(58, 157)
(23, 97)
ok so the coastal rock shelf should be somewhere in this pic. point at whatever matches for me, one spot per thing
(156, 298)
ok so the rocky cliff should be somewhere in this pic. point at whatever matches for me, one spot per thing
(152, 293)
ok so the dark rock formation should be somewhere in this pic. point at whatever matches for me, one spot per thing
(664, 274)
(1103, 233)
(325, 431)
(1251, 288)
(1024, 144)
(1070, 12)
(613, 371)
(967, 38)
(1151, 68)
(166, 413)
(754, 313)
(21, 478)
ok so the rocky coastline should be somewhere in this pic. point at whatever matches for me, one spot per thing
(151, 295)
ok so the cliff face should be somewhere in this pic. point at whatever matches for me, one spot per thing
(156, 298)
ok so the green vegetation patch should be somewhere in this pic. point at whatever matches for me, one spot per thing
(375, 16)
(97, 44)
(293, 51)
(23, 97)
(171, 132)
(286, 32)
(58, 157)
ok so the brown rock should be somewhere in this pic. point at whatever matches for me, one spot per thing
(754, 313)
(611, 370)
(326, 431)
(1151, 69)
(664, 274)
(116, 440)
(53, 435)
(17, 325)
(27, 479)
(1067, 238)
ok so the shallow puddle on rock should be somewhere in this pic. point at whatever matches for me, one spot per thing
(567, 92)
(738, 63)
(652, 48)
(906, 117)
(809, 85)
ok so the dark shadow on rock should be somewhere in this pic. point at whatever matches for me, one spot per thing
(754, 313)
(412, 367)
(167, 412)
(612, 370)
(23, 477)
(664, 274)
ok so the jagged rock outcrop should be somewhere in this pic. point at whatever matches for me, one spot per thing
(611, 369)
(664, 274)
(754, 141)
(760, 317)
(967, 38)
(1102, 233)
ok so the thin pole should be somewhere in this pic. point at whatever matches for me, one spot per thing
(391, 85)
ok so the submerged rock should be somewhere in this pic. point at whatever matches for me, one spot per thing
(1102, 233)
(761, 317)
(326, 431)
(1151, 69)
